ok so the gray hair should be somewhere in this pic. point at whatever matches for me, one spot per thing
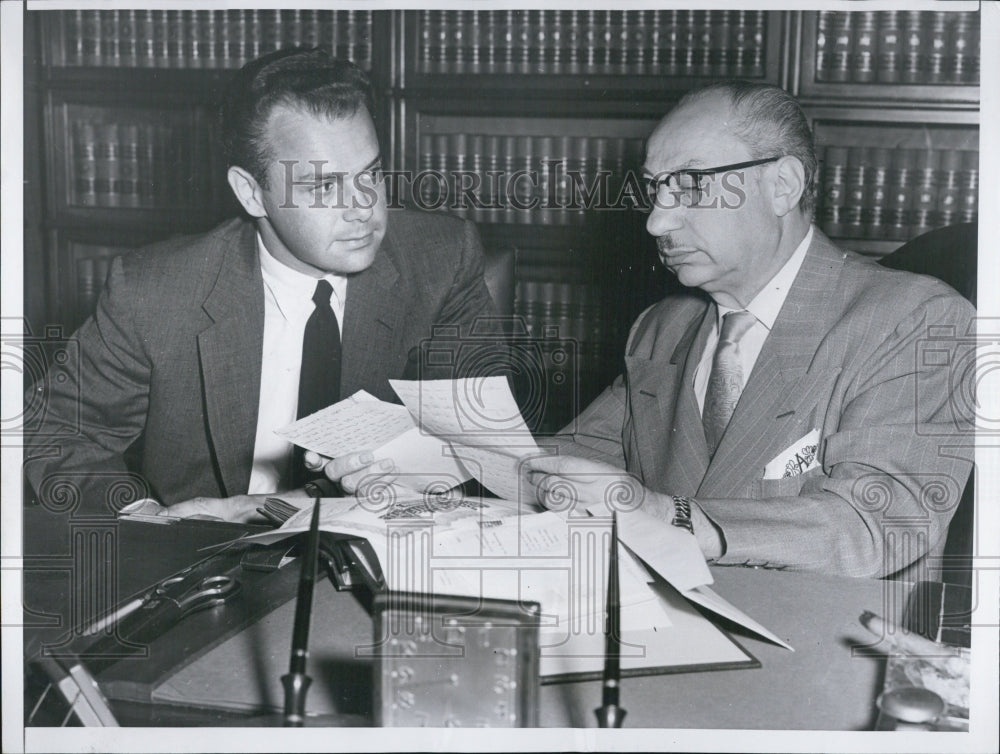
(770, 122)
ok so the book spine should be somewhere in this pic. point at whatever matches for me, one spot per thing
(721, 43)
(147, 164)
(580, 172)
(864, 53)
(510, 147)
(969, 197)
(937, 48)
(457, 165)
(91, 41)
(191, 42)
(759, 43)
(949, 189)
(70, 49)
(588, 54)
(477, 167)
(925, 194)
(834, 191)
(687, 33)
(270, 23)
(493, 179)
(843, 43)
(107, 166)
(743, 46)
(902, 191)
(562, 185)
(473, 41)
(84, 186)
(547, 166)
(127, 38)
(110, 48)
(654, 39)
(524, 187)
(963, 48)
(703, 42)
(145, 39)
(574, 40)
(129, 157)
(876, 203)
(913, 47)
(854, 205)
(890, 48)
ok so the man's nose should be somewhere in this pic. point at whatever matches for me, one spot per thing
(664, 218)
(360, 206)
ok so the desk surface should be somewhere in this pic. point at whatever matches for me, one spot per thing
(822, 685)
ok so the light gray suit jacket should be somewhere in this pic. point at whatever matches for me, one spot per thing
(864, 354)
(172, 358)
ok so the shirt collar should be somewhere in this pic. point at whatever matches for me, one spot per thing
(766, 305)
(293, 289)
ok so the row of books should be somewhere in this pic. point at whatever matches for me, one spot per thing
(143, 164)
(884, 193)
(570, 334)
(673, 42)
(910, 47)
(551, 180)
(204, 38)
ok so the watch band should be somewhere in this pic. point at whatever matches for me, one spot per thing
(682, 513)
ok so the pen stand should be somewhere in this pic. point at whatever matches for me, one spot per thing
(443, 661)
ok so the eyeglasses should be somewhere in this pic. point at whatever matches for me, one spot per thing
(688, 187)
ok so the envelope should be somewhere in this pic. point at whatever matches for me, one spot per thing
(796, 459)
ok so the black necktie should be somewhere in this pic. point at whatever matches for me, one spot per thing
(319, 380)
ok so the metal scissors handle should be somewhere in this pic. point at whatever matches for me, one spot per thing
(208, 592)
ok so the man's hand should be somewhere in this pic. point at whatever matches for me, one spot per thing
(240, 508)
(354, 472)
(559, 482)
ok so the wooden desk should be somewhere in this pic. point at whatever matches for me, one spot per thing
(822, 685)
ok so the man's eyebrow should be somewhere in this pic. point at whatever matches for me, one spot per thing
(341, 174)
(689, 165)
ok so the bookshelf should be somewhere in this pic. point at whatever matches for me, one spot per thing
(468, 99)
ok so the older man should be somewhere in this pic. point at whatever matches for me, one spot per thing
(778, 406)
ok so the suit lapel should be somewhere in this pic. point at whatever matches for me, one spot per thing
(784, 377)
(230, 356)
(672, 451)
(371, 316)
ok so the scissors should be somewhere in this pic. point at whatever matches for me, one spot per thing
(169, 602)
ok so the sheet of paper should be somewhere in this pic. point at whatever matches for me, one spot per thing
(670, 551)
(465, 409)
(361, 422)
(423, 461)
(709, 600)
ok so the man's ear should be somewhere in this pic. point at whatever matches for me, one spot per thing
(247, 191)
(789, 183)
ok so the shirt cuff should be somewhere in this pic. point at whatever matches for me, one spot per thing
(145, 507)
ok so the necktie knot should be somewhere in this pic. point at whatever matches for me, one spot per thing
(735, 325)
(321, 296)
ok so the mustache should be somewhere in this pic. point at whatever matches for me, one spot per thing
(665, 243)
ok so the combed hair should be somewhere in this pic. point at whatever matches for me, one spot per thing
(770, 122)
(305, 77)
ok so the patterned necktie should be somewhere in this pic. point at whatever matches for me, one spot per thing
(725, 383)
(319, 380)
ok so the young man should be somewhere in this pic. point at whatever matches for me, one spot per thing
(201, 347)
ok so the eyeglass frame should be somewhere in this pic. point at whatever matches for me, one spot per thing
(653, 184)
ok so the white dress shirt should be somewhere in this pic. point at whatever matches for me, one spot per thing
(287, 306)
(764, 307)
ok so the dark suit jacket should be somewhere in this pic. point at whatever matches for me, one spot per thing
(870, 357)
(173, 355)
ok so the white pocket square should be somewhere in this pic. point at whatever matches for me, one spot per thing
(796, 459)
